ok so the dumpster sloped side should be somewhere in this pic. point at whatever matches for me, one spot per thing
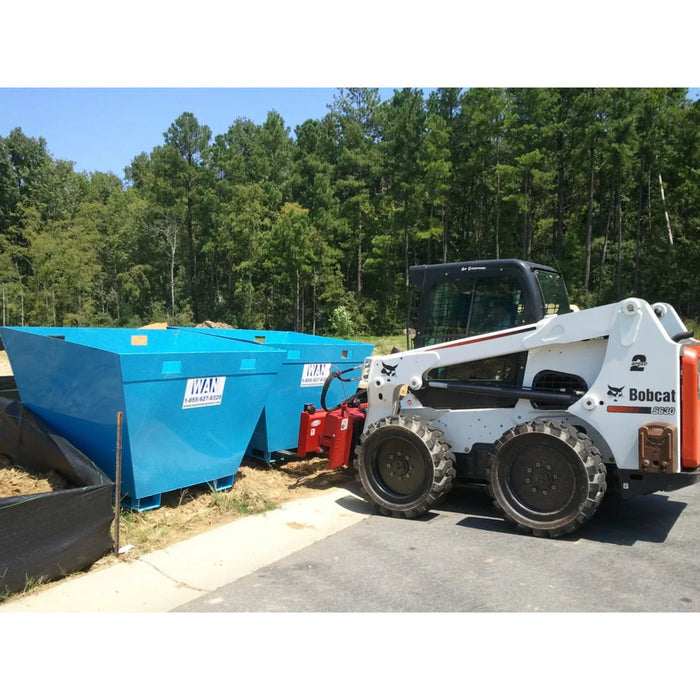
(75, 389)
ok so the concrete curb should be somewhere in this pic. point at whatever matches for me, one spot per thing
(165, 579)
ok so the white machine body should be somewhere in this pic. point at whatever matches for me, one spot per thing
(624, 352)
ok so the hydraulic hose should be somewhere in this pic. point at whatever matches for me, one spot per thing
(335, 373)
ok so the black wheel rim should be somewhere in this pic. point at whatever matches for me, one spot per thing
(397, 467)
(544, 479)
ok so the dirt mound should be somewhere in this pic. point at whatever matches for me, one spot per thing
(16, 480)
(213, 324)
(203, 324)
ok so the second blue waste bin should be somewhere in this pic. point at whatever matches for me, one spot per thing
(306, 362)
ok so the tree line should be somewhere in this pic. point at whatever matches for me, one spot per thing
(315, 231)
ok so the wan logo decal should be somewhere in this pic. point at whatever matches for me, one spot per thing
(315, 374)
(204, 391)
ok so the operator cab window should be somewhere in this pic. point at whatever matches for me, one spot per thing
(554, 294)
(460, 308)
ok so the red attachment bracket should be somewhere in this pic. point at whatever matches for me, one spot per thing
(330, 433)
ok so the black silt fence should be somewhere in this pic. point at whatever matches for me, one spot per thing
(49, 535)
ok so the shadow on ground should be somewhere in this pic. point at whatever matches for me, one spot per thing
(618, 520)
(621, 521)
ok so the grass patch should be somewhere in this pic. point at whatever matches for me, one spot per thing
(693, 325)
(31, 584)
(245, 503)
(383, 344)
(257, 488)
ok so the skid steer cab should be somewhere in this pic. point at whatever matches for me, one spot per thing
(509, 388)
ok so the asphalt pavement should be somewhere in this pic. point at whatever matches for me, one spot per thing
(635, 555)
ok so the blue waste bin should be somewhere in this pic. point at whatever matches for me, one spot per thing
(308, 359)
(189, 402)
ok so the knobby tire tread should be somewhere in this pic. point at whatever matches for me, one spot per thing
(443, 469)
(590, 458)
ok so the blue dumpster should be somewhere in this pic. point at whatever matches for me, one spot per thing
(308, 359)
(189, 402)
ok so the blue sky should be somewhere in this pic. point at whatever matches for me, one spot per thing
(104, 128)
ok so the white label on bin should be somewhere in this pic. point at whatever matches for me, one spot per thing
(315, 374)
(204, 391)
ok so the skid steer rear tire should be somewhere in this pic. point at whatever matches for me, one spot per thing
(404, 465)
(546, 477)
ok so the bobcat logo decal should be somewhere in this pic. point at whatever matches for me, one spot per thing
(615, 391)
(389, 370)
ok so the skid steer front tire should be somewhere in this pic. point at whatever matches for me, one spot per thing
(546, 477)
(404, 465)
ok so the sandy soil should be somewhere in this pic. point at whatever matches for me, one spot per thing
(5, 368)
(15, 480)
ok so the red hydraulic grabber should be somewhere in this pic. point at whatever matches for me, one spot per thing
(334, 432)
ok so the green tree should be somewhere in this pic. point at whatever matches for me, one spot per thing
(354, 114)
(289, 259)
(436, 163)
(253, 169)
(479, 153)
(181, 182)
(402, 139)
(443, 107)
(130, 259)
(313, 180)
